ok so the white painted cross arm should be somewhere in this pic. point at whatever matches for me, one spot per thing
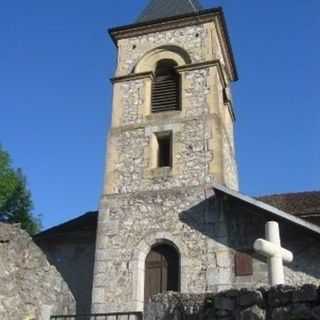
(268, 249)
(271, 248)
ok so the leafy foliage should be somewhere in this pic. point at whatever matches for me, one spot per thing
(15, 198)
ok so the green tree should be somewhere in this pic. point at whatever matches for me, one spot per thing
(15, 198)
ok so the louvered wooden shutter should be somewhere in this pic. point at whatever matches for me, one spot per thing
(165, 91)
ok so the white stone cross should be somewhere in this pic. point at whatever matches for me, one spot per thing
(271, 248)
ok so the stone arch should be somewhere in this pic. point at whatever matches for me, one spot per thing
(139, 258)
(162, 270)
(149, 61)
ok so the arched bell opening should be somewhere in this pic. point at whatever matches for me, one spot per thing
(162, 270)
(166, 87)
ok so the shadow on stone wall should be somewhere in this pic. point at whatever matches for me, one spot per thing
(206, 218)
(71, 249)
(236, 226)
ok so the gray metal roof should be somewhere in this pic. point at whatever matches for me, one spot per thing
(159, 9)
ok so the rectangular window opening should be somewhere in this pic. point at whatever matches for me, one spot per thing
(164, 149)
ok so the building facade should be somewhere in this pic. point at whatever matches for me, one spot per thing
(171, 216)
(171, 137)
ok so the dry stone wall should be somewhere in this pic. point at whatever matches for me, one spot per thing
(278, 303)
(30, 288)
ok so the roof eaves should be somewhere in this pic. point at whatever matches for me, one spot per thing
(266, 207)
(58, 228)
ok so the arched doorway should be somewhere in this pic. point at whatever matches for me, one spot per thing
(162, 270)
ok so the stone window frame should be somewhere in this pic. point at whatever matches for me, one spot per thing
(147, 65)
(168, 84)
(149, 60)
(151, 170)
(158, 155)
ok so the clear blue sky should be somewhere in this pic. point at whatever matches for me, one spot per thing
(55, 97)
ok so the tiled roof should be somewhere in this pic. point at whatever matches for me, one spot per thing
(299, 204)
(159, 9)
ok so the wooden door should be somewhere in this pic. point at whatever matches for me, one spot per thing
(156, 274)
(161, 271)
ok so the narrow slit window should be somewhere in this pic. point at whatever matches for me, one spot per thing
(164, 150)
(166, 87)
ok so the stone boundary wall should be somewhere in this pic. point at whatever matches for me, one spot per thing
(278, 303)
(30, 288)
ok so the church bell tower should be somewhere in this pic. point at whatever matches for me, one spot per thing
(171, 139)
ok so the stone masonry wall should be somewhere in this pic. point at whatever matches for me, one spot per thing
(142, 204)
(208, 233)
(203, 135)
(197, 146)
(245, 226)
(278, 303)
(193, 39)
(134, 172)
(73, 256)
(129, 225)
(30, 288)
(230, 167)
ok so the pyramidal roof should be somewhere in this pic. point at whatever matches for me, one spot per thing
(159, 9)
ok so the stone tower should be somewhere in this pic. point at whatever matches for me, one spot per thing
(171, 139)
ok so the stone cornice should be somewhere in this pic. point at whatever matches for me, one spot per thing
(132, 76)
(203, 65)
(231, 110)
(209, 64)
(139, 29)
(185, 68)
(215, 15)
(151, 193)
(164, 121)
(227, 51)
(199, 65)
